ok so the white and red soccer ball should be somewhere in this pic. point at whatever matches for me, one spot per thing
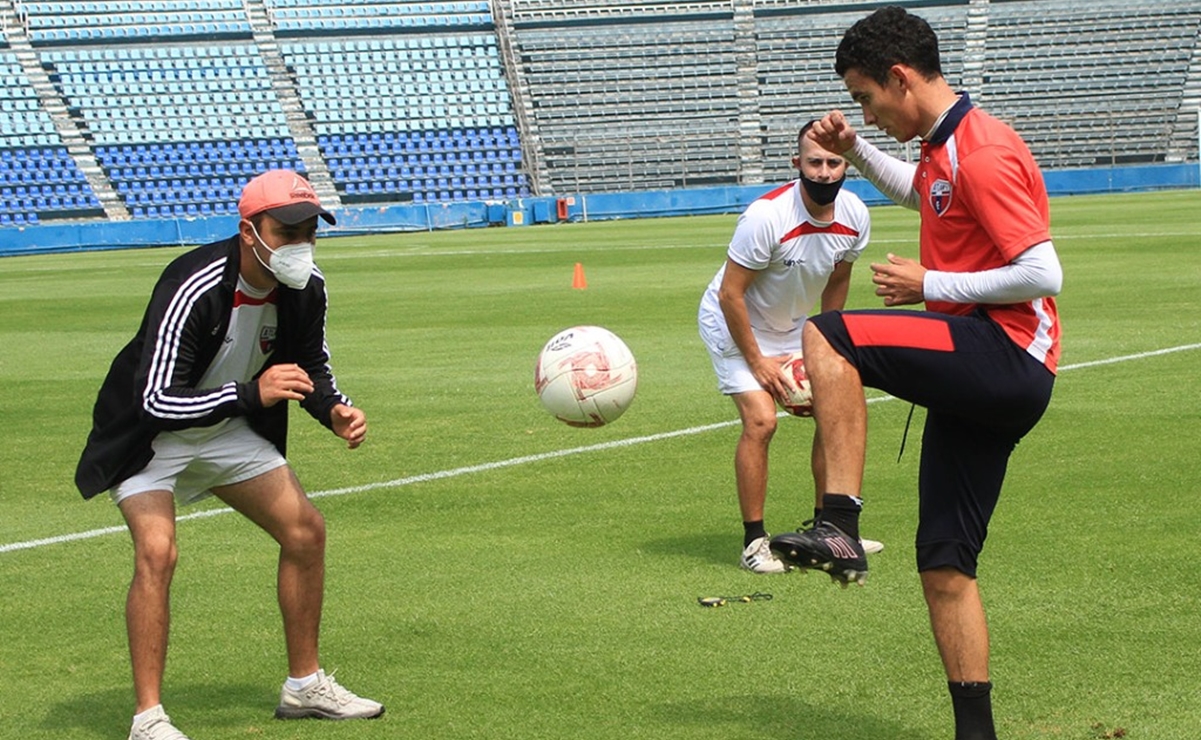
(586, 376)
(799, 401)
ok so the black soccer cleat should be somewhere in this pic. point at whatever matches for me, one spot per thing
(825, 547)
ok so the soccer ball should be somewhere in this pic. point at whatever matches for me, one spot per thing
(586, 376)
(800, 396)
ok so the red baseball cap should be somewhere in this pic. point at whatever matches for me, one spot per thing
(284, 195)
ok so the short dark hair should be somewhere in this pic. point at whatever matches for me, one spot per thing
(801, 134)
(891, 35)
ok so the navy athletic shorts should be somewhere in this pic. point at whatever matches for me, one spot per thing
(982, 393)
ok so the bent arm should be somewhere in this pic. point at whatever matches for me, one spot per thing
(179, 318)
(313, 355)
(732, 298)
(1035, 273)
(890, 175)
(834, 297)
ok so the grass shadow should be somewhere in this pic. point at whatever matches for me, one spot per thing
(714, 548)
(767, 716)
(107, 713)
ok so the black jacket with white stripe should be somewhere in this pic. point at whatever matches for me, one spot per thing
(152, 384)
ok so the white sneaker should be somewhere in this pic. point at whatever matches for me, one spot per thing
(871, 546)
(758, 558)
(156, 725)
(325, 698)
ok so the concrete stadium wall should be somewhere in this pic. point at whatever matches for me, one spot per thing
(88, 236)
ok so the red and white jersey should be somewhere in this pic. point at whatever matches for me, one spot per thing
(793, 253)
(983, 202)
(250, 339)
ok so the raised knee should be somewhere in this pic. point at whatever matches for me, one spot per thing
(945, 584)
(812, 339)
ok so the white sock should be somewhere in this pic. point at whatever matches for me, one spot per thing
(142, 715)
(296, 684)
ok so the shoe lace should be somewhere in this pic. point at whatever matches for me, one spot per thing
(160, 728)
(337, 691)
(905, 434)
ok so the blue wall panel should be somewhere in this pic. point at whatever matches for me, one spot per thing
(602, 206)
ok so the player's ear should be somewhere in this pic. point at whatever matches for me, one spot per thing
(246, 232)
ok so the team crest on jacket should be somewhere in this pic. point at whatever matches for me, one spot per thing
(940, 196)
(267, 340)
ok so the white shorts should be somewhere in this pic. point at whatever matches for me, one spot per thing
(733, 373)
(190, 462)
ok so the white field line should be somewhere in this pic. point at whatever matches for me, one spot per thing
(523, 460)
(1127, 358)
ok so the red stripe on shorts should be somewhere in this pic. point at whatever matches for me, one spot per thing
(915, 332)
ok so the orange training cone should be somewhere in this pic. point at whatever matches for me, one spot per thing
(577, 280)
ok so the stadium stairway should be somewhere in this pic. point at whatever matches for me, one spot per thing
(285, 89)
(975, 47)
(77, 147)
(523, 104)
(750, 123)
(1185, 131)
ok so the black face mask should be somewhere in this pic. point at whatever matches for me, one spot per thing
(822, 193)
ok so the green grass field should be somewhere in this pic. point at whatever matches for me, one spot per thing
(493, 573)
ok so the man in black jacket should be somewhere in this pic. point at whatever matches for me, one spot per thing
(196, 405)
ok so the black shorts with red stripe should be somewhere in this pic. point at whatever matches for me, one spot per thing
(982, 393)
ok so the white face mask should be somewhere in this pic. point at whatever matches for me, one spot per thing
(291, 264)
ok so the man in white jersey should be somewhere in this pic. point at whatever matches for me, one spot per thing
(196, 404)
(791, 247)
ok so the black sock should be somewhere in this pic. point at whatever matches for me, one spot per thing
(843, 512)
(817, 514)
(973, 710)
(753, 531)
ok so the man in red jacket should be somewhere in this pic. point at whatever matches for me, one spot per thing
(195, 405)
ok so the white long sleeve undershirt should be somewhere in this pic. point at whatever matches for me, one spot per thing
(1035, 273)
(890, 175)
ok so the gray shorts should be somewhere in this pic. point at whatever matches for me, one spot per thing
(190, 462)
